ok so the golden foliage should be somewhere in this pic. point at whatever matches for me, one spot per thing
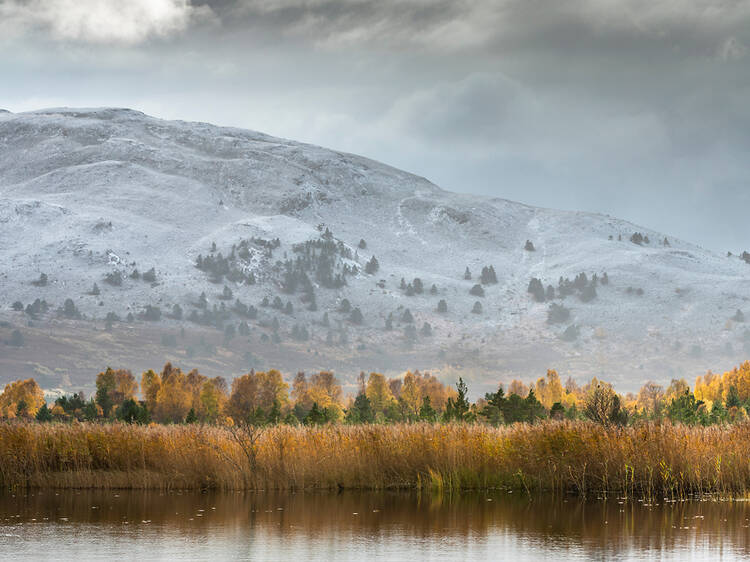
(21, 398)
(378, 392)
(255, 391)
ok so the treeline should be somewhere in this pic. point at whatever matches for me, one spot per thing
(265, 398)
(257, 398)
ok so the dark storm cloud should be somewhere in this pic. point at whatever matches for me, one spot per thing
(631, 107)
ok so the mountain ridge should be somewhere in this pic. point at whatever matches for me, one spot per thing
(78, 186)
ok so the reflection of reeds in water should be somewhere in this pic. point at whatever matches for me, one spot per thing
(599, 528)
(646, 460)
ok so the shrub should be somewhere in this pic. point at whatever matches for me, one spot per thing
(557, 314)
(150, 276)
(16, 339)
(571, 333)
(477, 290)
(42, 281)
(114, 278)
(152, 313)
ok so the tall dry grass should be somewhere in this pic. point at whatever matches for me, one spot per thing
(580, 457)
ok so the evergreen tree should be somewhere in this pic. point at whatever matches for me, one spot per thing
(461, 405)
(426, 411)
(733, 398)
(488, 276)
(557, 411)
(315, 416)
(274, 414)
(44, 414)
(226, 294)
(536, 288)
(372, 266)
(418, 286)
(90, 412)
(361, 411)
(356, 316)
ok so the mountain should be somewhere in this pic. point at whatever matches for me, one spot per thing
(88, 196)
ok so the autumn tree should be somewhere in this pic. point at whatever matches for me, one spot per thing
(150, 384)
(651, 399)
(213, 398)
(113, 387)
(253, 395)
(322, 389)
(549, 390)
(602, 404)
(22, 398)
(378, 392)
(518, 388)
(174, 398)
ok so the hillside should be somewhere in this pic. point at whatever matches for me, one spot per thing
(88, 196)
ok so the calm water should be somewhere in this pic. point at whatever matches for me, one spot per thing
(356, 526)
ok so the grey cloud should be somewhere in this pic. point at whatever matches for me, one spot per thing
(99, 21)
(706, 26)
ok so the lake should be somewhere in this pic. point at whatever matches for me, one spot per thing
(94, 525)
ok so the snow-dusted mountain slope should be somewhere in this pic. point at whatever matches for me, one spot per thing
(86, 193)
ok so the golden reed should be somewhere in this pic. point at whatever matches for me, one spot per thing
(645, 460)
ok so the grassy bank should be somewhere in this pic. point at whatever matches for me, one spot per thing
(579, 457)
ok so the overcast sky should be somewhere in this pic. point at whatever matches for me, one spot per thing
(635, 108)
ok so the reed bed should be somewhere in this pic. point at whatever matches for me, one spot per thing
(646, 460)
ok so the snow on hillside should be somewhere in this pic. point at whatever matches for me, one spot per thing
(79, 186)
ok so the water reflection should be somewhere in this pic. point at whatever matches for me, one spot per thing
(395, 526)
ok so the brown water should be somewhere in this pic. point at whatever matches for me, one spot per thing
(95, 525)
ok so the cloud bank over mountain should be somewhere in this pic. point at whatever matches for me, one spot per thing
(623, 106)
